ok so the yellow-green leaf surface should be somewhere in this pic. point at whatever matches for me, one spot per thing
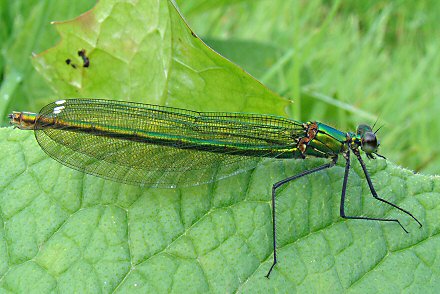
(25, 29)
(64, 231)
(145, 52)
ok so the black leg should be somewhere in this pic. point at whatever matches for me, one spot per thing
(275, 187)
(344, 188)
(373, 191)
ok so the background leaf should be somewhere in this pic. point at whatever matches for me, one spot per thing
(69, 232)
(147, 48)
(25, 29)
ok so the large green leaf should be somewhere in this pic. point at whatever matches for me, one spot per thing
(65, 231)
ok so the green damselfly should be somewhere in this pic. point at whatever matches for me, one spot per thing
(157, 146)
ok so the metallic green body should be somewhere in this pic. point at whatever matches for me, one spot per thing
(328, 142)
(162, 146)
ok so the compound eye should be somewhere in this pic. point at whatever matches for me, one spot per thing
(369, 142)
(363, 129)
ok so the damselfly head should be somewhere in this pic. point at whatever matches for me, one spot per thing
(362, 129)
(369, 143)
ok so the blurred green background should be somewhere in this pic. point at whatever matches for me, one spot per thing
(340, 62)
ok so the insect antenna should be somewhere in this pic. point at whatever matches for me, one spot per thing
(378, 129)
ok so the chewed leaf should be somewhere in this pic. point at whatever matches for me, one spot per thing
(145, 52)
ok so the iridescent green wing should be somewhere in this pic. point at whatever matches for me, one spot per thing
(184, 148)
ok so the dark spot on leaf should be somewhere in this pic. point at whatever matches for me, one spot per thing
(69, 62)
(86, 60)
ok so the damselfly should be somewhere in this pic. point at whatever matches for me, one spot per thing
(157, 146)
